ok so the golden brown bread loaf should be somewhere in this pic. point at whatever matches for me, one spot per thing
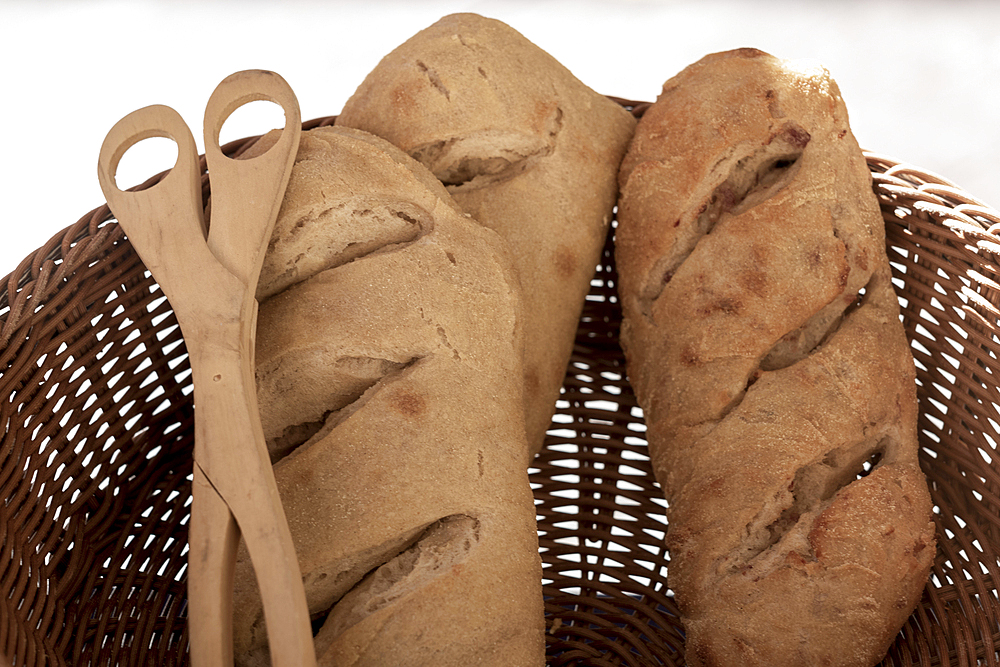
(764, 344)
(525, 148)
(389, 380)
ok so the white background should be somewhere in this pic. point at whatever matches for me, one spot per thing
(920, 78)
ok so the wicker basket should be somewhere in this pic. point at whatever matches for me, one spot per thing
(95, 461)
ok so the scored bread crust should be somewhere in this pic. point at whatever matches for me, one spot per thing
(763, 340)
(389, 383)
(526, 149)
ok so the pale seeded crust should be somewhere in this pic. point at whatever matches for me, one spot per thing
(747, 228)
(525, 148)
(409, 503)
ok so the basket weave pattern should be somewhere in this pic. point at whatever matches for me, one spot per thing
(97, 420)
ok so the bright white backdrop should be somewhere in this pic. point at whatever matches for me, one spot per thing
(921, 78)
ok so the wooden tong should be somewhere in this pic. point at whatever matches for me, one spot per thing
(210, 278)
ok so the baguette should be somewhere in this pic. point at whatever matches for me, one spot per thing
(763, 339)
(388, 363)
(526, 149)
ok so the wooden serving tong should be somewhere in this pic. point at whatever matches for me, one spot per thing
(210, 278)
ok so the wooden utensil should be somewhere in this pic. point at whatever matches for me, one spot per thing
(210, 277)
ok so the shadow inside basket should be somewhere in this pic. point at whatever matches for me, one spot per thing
(95, 462)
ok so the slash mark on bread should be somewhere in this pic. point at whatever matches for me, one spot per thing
(487, 157)
(435, 79)
(384, 216)
(799, 344)
(810, 491)
(750, 181)
(804, 341)
(441, 549)
(374, 375)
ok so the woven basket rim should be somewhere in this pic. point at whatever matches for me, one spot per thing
(938, 189)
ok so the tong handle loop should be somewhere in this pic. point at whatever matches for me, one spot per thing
(247, 194)
(165, 223)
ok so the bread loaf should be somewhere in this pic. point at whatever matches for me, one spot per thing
(525, 148)
(389, 381)
(764, 343)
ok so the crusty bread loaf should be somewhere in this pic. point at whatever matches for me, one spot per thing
(764, 344)
(526, 149)
(389, 381)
